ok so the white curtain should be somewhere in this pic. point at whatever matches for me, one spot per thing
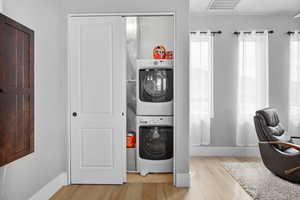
(294, 85)
(253, 88)
(201, 87)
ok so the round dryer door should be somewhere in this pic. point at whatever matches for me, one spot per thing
(155, 142)
(156, 85)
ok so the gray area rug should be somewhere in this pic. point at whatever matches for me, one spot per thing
(260, 183)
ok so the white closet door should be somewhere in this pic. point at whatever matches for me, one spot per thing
(97, 83)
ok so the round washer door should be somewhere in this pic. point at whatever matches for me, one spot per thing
(156, 142)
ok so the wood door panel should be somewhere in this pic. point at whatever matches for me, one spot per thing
(10, 57)
(17, 95)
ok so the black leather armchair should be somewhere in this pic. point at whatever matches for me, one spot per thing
(279, 154)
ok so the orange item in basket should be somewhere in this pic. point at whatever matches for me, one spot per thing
(169, 55)
(130, 140)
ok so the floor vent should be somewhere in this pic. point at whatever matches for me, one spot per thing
(222, 4)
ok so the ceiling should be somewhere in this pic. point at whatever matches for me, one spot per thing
(250, 7)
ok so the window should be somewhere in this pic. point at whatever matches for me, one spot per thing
(294, 85)
(201, 87)
(253, 89)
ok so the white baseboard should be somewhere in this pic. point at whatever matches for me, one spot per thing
(51, 188)
(183, 179)
(224, 151)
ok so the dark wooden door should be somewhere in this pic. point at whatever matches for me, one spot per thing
(16, 90)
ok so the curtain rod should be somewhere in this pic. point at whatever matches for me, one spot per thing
(292, 32)
(249, 32)
(205, 32)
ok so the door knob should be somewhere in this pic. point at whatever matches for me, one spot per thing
(1, 90)
(74, 114)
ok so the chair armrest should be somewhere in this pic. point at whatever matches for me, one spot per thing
(295, 137)
(294, 146)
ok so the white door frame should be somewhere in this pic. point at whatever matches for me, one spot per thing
(69, 111)
(1, 6)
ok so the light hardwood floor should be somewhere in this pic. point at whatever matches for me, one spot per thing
(150, 178)
(210, 181)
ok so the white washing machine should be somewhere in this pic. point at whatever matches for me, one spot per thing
(154, 87)
(154, 144)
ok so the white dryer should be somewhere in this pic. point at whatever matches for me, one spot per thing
(154, 144)
(154, 87)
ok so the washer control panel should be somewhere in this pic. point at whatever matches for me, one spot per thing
(162, 120)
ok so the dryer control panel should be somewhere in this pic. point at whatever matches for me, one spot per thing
(155, 63)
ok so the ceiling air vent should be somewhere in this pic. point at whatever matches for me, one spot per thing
(222, 4)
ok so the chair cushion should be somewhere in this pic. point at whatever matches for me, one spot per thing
(283, 138)
(270, 115)
(275, 130)
(272, 128)
(291, 151)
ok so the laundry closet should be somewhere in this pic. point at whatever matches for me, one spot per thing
(121, 88)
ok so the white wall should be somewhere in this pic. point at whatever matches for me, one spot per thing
(155, 31)
(181, 7)
(225, 67)
(1, 6)
(26, 176)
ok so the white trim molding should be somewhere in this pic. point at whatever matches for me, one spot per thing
(224, 151)
(51, 188)
(183, 179)
(122, 14)
(1, 6)
(71, 15)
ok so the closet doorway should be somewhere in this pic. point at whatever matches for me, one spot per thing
(103, 51)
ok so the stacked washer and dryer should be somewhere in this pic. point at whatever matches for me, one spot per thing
(154, 131)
